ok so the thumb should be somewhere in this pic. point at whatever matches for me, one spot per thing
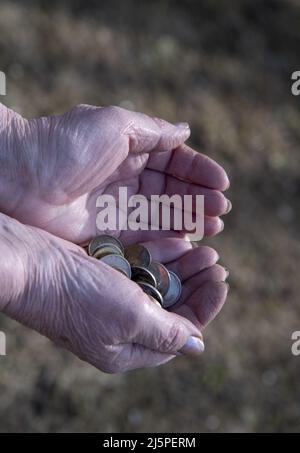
(160, 337)
(154, 134)
(166, 332)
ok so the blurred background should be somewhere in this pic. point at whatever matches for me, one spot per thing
(225, 67)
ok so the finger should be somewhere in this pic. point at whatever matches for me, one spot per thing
(213, 226)
(168, 249)
(204, 304)
(154, 182)
(153, 134)
(215, 273)
(189, 165)
(132, 237)
(170, 216)
(193, 262)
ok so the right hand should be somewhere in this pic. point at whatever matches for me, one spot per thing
(54, 169)
(104, 318)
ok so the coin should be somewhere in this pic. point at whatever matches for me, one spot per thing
(150, 291)
(143, 274)
(138, 255)
(174, 292)
(162, 277)
(154, 300)
(106, 249)
(104, 239)
(119, 263)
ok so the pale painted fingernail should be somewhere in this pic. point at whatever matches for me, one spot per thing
(183, 125)
(194, 346)
(222, 225)
(229, 207)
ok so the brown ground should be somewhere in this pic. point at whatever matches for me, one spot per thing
(224, 67)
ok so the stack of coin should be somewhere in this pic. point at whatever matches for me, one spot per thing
(110, 250)
(161, 285)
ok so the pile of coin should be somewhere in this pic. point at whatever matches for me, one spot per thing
(160, 284)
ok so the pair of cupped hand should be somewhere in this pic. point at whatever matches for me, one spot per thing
(52, 171)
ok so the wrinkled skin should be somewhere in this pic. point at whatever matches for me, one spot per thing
(52, 170)
(104, 318)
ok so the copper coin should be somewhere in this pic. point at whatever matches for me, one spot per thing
(138, 255)
(143, 274)
(119, 263)
(106, 249)
(174, 292)
(104, 239)
(150, 291)
(162, 276)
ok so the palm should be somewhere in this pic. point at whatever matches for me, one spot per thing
(90, 151)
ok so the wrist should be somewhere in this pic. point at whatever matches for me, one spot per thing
(35, 277)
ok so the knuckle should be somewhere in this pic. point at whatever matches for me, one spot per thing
(170, 341)
(112, 108)
(79, 107)
(117, 116)
(113, 111)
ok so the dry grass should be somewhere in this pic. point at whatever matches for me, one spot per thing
(227, 72)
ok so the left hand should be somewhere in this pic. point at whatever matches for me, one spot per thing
(104, 318)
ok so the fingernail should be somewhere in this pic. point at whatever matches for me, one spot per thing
(221, 225)
(229, 206)
(228, 184)
(228, 287)
(194, 346)
(183, 125)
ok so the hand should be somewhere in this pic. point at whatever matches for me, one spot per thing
(104, 318)
(56, 167)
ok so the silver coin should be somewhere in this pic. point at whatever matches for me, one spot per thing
(174, 292)
(143, 274)
(162, 277)
(119, 263)
(104, 239)
(154, 300)
(150, 291)
(106, 249)
(138, 255)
